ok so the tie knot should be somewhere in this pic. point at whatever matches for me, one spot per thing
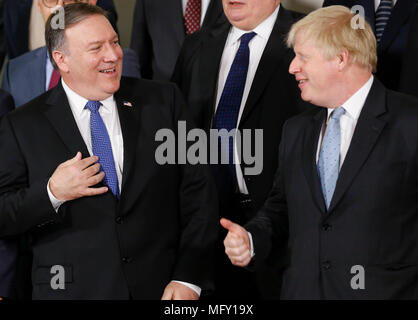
(246, 38)
(337, 113)
(93, 105)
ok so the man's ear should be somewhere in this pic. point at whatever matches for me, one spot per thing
(61, 61)
(343, 59)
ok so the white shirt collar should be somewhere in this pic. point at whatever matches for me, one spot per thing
(355, 103)
(78, 103)
(263, 29)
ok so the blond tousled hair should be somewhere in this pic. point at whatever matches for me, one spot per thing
(331, 30)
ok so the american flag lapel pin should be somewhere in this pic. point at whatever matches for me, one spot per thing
(127, 104)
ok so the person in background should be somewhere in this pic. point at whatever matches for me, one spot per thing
(160, 27)
(391, 23)
(234, 76)
(24, 32)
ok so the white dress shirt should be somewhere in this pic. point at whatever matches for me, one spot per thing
(256, 46)
(205, 5)
(348, 120)
(377, 3)
(109, 113)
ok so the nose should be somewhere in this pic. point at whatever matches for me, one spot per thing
(294, 66)
(112, 52)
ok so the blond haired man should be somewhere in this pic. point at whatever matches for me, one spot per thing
(346, 194)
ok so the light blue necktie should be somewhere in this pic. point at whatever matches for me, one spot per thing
(329, 156)
(102, 147)
(382, 17)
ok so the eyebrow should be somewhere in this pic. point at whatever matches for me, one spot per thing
(101, 41)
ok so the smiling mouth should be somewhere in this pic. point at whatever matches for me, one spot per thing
(108, 71)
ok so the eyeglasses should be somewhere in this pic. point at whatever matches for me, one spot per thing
(54, 3)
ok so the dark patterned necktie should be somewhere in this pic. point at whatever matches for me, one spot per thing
(382, 17)
(102, 147)
(192, 16)
(226, 116)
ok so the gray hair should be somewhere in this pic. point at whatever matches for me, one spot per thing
(73, 14)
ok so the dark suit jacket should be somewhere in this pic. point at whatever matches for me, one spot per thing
(410, 63)
(158, 33)
(8, 249)
(25, 76)
(155, 233)
(2, 36)
(392, 47)
(372, 220)
(16, 16)
(274, 97)
(6, 102)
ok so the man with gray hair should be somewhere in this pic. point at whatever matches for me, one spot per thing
(80, 176)
(345, 198)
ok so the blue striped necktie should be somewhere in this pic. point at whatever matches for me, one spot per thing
(102, 147)
(329, 156)
(382, 17)
(226, 116)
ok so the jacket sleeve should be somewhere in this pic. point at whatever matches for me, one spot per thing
(24, 204)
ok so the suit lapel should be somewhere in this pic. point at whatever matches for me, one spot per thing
(129, 129)
(367, 132)
(309, 157)
(208, 69)
(61, 118)
(273, 55)
(176, 20)
(213, 12)
(400, 14)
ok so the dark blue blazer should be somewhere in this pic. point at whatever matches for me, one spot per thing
(24, 77)
(16, 16)
(392, 47)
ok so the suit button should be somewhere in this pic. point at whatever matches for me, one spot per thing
(119, 220)
(327, 227)
(326, 265)
(126, 259)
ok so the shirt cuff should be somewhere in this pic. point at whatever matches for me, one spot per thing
(56, 204)
(196, 289)
(251, 245)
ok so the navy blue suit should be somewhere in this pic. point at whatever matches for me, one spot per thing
(16, 16)
(392, 47)
(8, 250)
(25, 76)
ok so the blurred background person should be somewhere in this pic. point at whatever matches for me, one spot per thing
(24, 28)
(409, 83)
(160, 27)
(391, 23)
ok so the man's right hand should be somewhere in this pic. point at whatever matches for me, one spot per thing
(237, 243)
(73, 178)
